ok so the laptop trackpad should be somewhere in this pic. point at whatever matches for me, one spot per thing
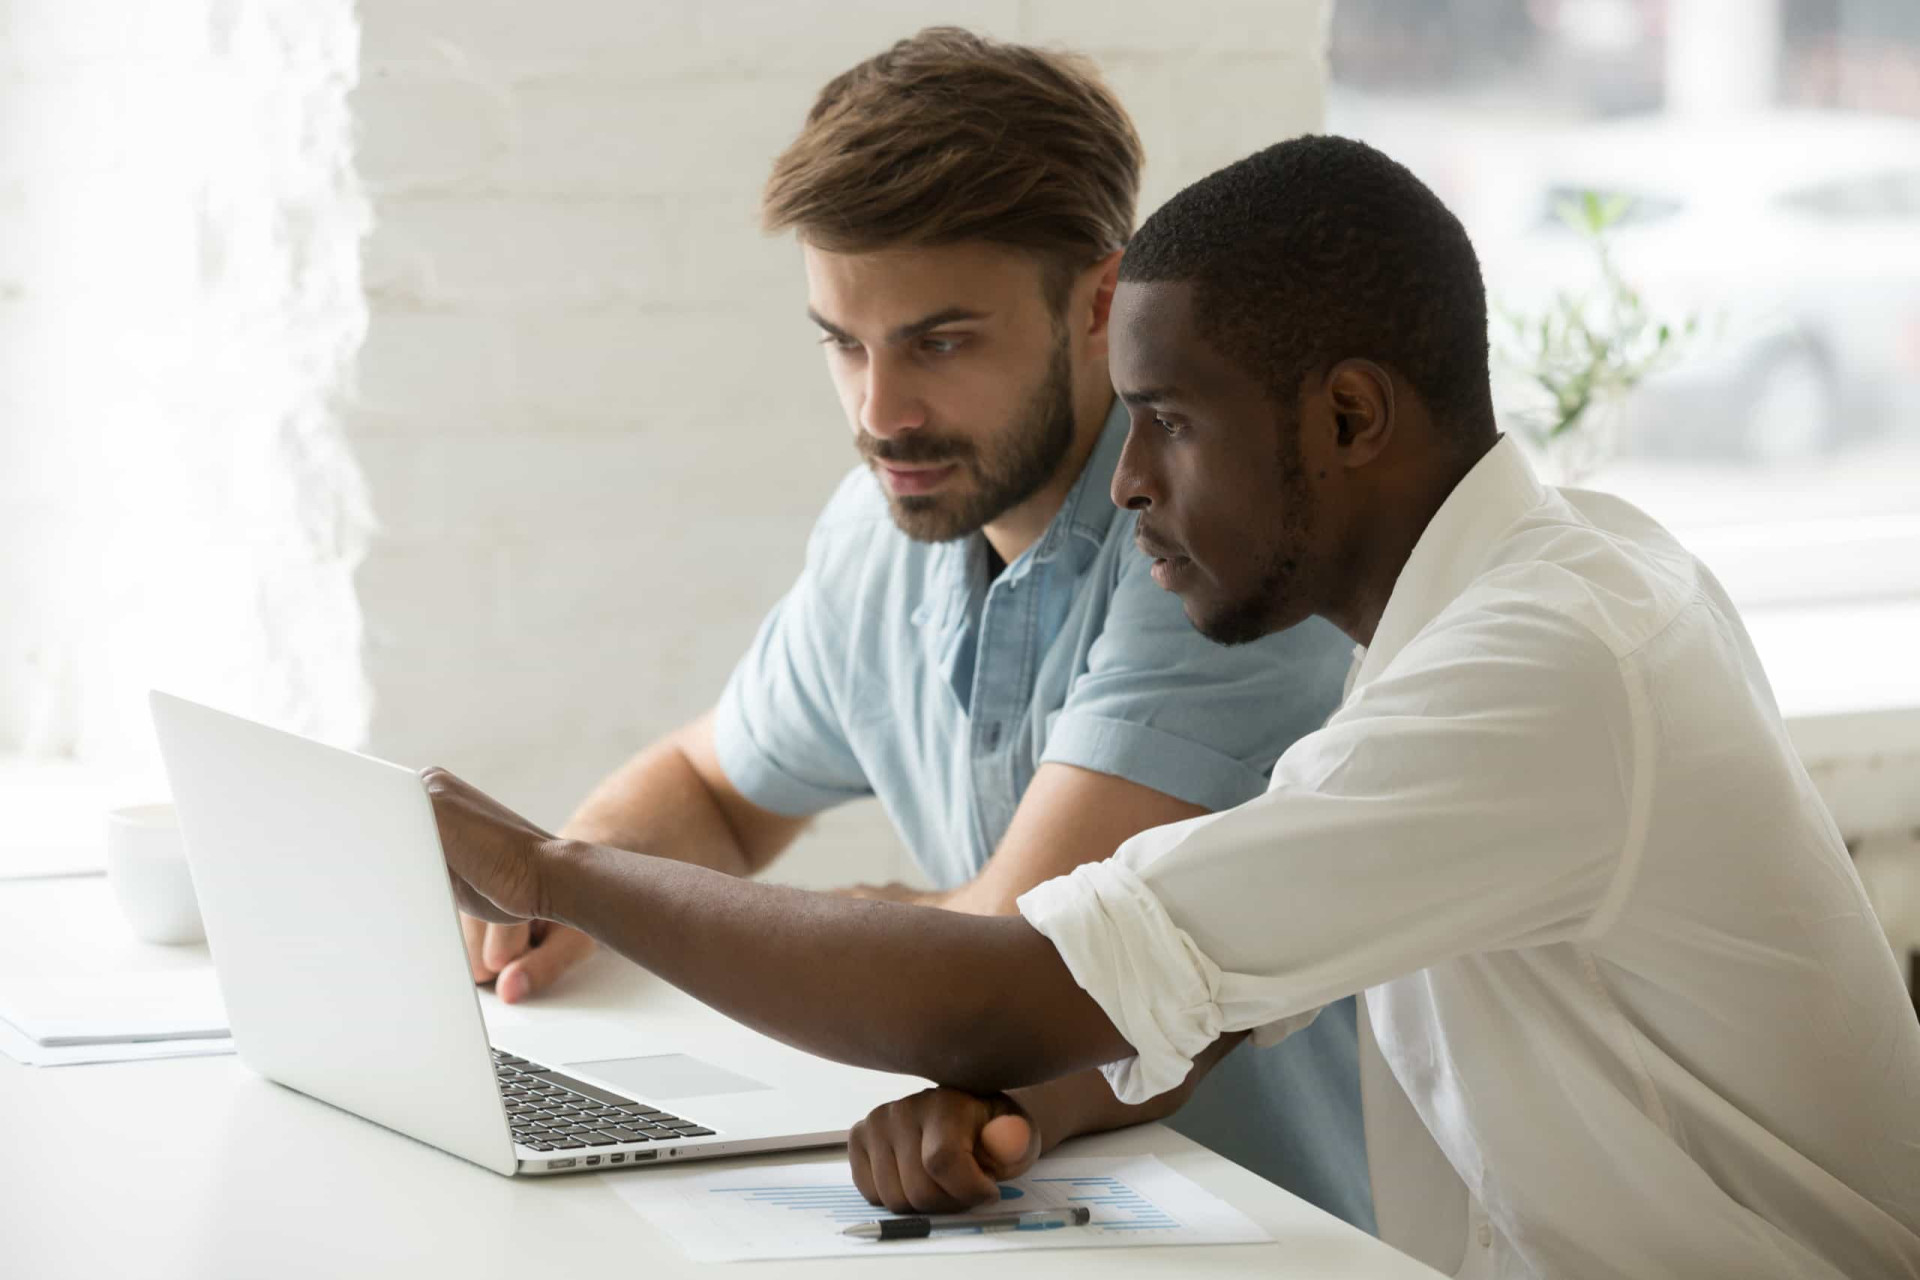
(668, 1075)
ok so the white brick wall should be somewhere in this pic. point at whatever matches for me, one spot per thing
(586, 430)
(179, 303)
(593, 427)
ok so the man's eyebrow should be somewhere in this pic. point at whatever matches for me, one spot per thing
(906, 332)
(1150, 396)
(828, 325)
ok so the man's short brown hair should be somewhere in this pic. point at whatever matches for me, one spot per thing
(948, 137)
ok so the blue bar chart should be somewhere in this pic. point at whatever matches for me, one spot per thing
(1116, 1206)
(803, 1210)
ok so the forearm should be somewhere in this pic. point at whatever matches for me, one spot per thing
(1084, 1103)
(976, 1002)
(1068, 816)
(973, 897)
(658, 803)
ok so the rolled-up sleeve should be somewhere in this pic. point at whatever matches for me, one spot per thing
(1158, 988)
(1475, 796)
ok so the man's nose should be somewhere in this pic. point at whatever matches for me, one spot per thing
(891, 401)
(1135, 487)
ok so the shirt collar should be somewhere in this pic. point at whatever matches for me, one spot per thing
(1077, 529)
(1453, 549)
(1088, 512)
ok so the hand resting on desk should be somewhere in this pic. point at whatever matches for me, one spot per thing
(941, 1150)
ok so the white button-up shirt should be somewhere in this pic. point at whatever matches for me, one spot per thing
(1613, 949)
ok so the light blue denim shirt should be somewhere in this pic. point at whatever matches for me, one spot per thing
(896, 669)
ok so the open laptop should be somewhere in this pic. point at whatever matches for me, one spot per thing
(332, 925)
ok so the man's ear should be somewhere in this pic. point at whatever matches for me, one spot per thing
(1101, 278)
(1360, 395)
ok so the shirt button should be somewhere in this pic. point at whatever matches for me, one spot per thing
(992, 735)
(1486, 1235)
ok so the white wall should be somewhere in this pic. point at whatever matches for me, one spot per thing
(179, 303)
(593, 424)
(466, 415)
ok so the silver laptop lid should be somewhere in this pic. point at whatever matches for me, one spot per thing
(333, 927)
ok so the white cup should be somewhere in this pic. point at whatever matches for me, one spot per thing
(147, 867)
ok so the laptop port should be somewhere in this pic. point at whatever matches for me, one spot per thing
(567, 1163)
(616, 1158)
(593, 1159)
(638, 1156)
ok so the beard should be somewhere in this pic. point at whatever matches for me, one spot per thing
(1251, 616)
(1004, 470)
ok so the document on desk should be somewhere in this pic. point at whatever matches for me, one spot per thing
(801, 1211)
(61, 1010)
(31, 1053)
(76, 987)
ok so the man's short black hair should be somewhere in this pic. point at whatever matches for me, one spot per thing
(1321, 249)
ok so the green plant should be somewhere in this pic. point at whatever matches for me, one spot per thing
(1588, 348)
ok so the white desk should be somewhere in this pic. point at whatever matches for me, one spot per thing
(195, 1168)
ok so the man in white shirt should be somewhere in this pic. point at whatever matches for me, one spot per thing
(1612, 948)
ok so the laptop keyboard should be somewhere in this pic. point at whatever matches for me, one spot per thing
(548, 1111)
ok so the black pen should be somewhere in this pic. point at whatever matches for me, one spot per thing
(919, 1228)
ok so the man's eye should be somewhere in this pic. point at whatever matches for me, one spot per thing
(940, 346)
(1173, 429)
(839, 342)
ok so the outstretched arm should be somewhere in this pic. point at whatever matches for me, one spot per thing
(983, 1003)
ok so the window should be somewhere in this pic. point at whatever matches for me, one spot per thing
(1764, 151)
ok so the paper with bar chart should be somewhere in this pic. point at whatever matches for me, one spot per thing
(800, 1210)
